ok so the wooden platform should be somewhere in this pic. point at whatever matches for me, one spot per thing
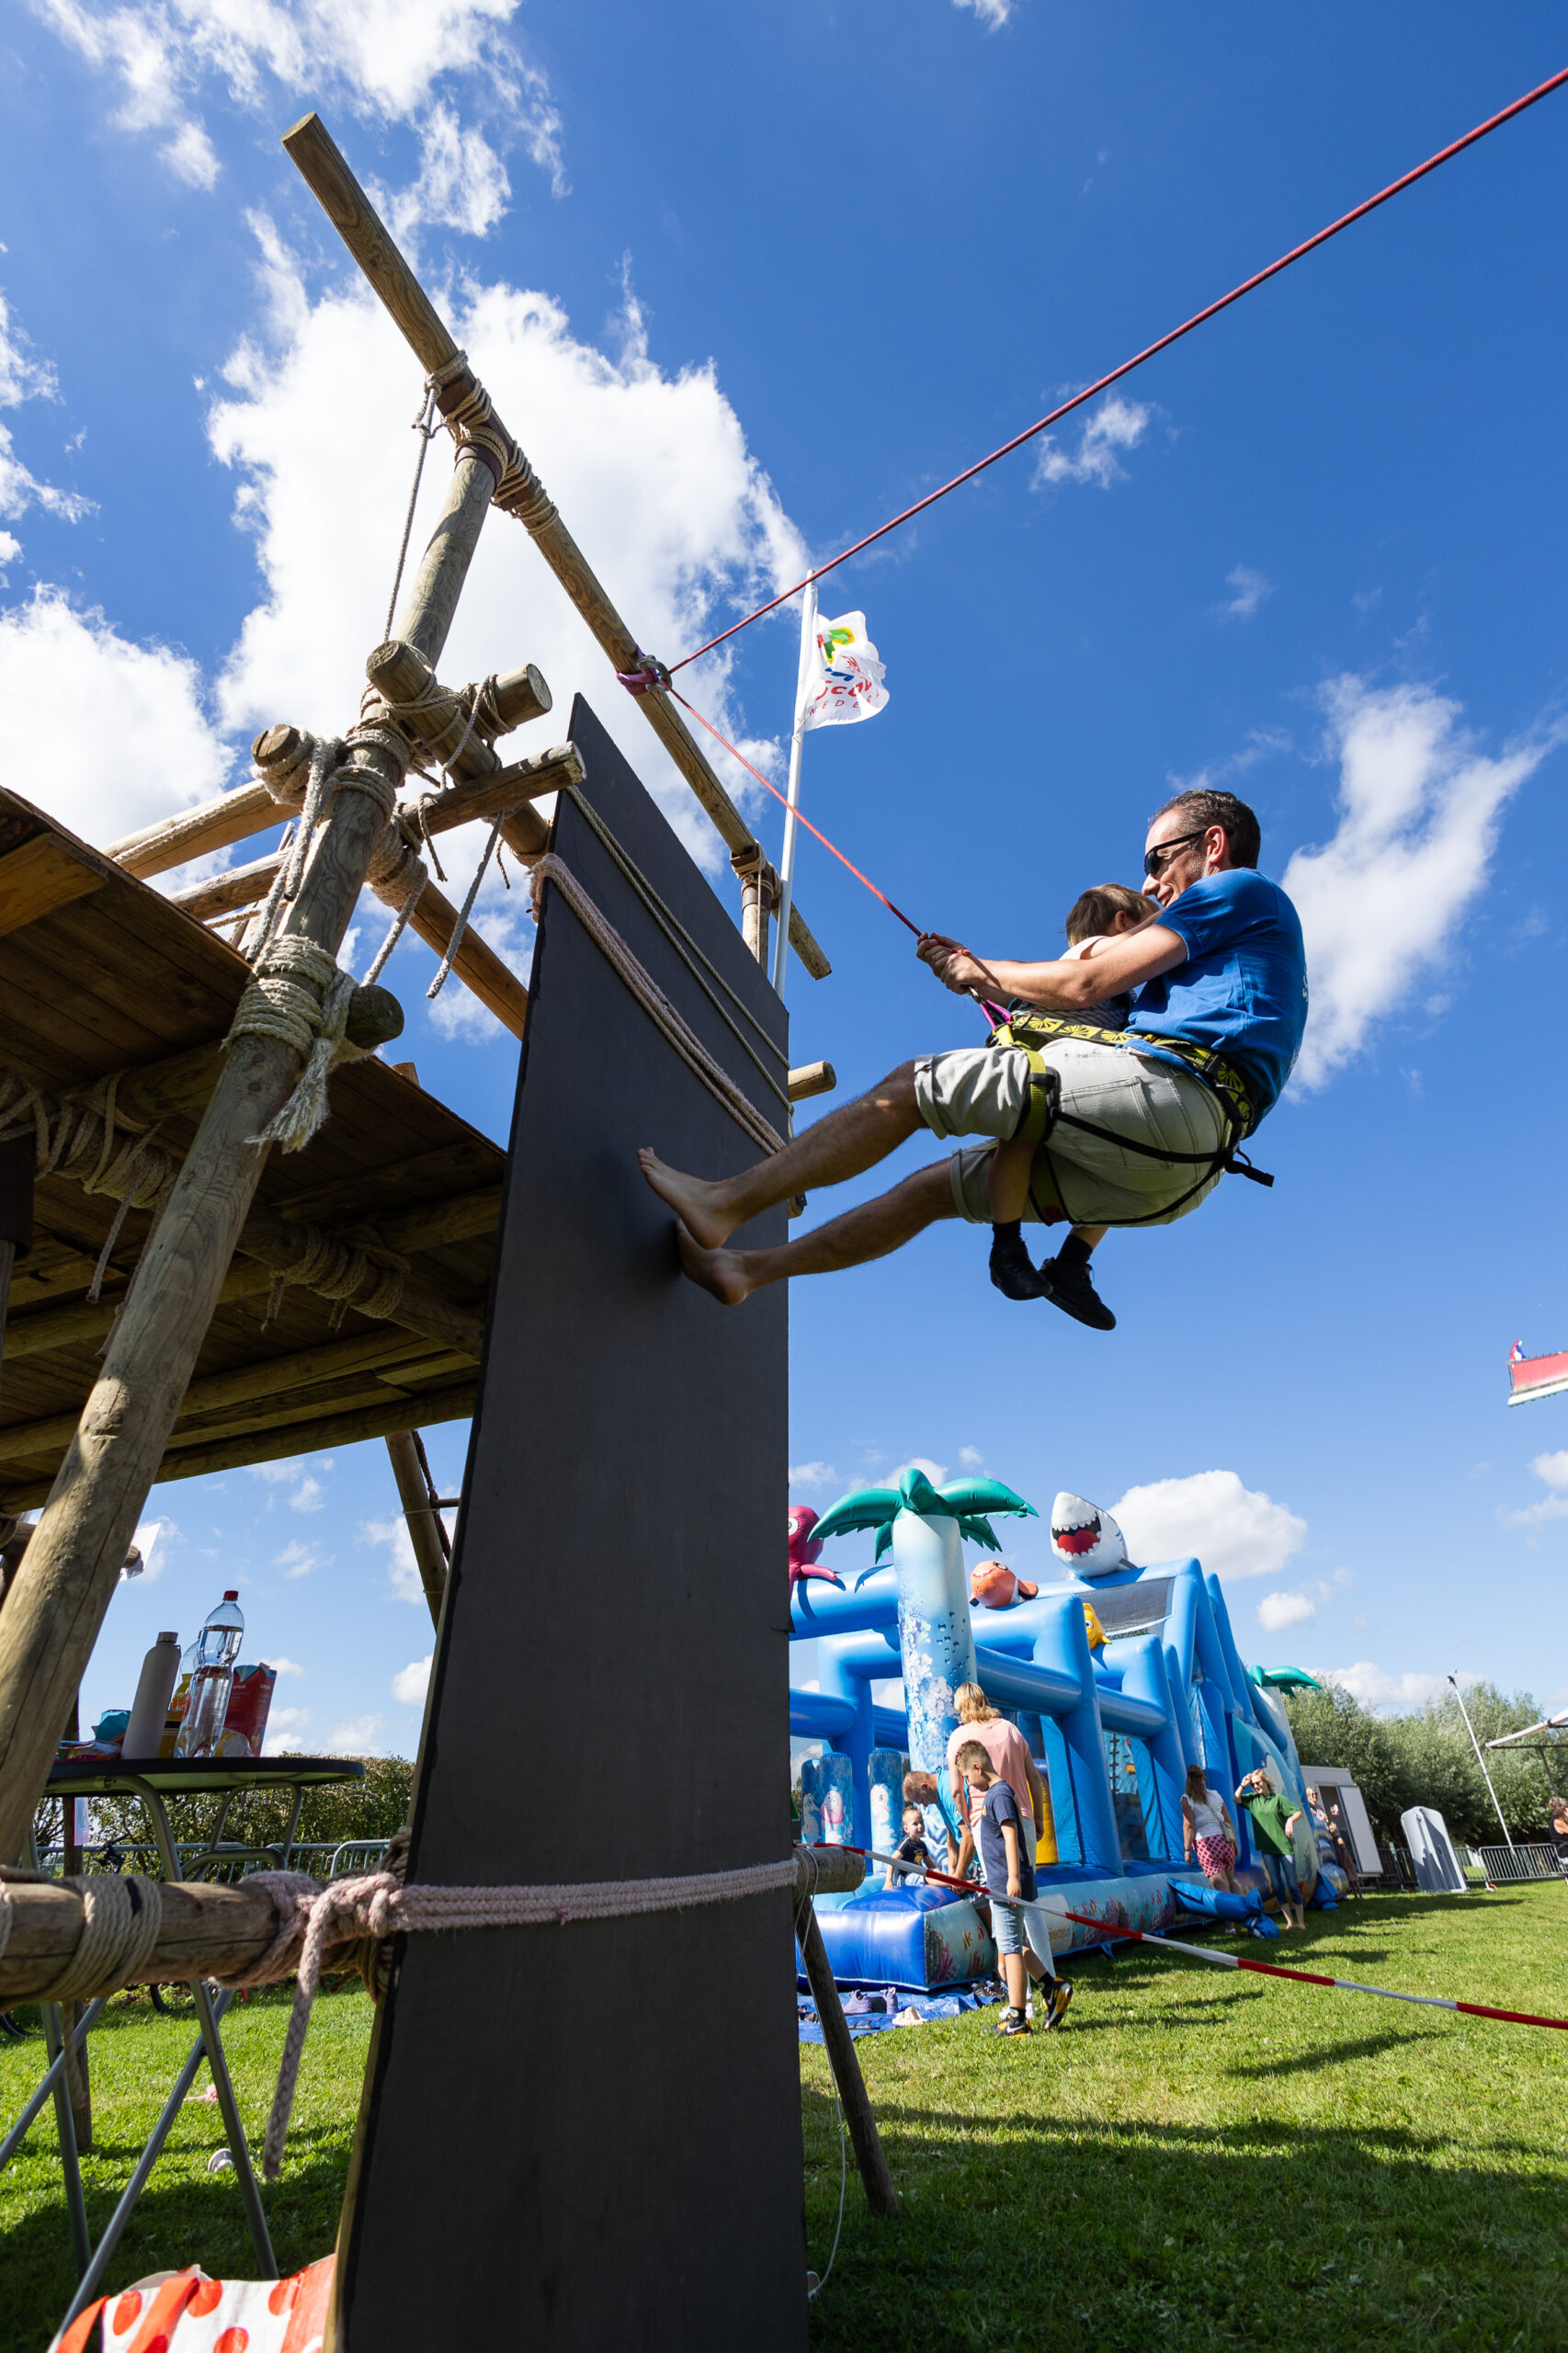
(99, 973)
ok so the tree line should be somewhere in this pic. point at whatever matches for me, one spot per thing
(1425, 1758)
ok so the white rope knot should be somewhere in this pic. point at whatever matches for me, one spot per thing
(379, 1906)
(282, 1002)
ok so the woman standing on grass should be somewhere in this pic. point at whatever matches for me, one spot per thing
(1206, 1824)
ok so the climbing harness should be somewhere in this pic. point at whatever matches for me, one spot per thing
(1150, 351)
(1032, 1032)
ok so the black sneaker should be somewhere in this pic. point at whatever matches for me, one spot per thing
(1012, 2022)
(1056, 2003)
(1071, 1289)
(1012, 1270)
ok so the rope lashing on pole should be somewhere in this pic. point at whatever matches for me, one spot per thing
(86, 1138)
(1150, 351)
(1115, 1935)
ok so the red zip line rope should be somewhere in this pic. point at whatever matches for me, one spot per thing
(800, 819)
(1396, 187)
(1220, 1960)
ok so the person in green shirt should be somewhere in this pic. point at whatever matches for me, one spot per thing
(1273, 1822)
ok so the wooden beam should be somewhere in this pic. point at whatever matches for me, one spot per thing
(53, 1614)
(45, 873)
(208, 1930)
(402, 677)
(476, 964)
(427, 1227)
(283, 1246)
(213, 824)
(812, 1078)
(239, 887)
(266, 1377)
(425, 1532)
(319, 161)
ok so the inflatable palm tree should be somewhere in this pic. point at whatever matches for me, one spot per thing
(924, 1528)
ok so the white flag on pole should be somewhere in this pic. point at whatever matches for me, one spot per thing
(844, 677)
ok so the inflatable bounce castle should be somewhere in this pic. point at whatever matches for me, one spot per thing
(1118, 1677)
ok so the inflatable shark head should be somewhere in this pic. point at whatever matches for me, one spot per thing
(1088, 1540)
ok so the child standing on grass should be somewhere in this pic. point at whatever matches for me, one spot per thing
(1007, 1856)
(1109, 912)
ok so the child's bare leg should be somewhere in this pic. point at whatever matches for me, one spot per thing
(1008, 1197)
(1014, 1976)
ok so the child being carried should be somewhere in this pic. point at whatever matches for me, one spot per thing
(1109, 912)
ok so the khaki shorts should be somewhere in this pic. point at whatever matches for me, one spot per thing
(985, 1091)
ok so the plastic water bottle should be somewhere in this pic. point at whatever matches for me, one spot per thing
(217, 1648)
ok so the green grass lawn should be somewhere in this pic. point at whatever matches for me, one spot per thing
(1200, 2158)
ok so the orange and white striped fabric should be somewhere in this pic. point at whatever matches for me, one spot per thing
(184, 2311)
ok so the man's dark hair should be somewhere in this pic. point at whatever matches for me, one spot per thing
(1244, 835)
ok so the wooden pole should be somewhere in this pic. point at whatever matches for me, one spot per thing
(232, 817)
(401, 676)
(17, 1159)
(325, 171)
(207, 1930)
(420, 1513)
(52, 1618)
(812, 1078)
(839, 2044)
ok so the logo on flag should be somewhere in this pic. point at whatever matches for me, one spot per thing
(1516, 1354)
(844, 677)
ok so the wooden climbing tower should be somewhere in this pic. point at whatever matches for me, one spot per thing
(198, 1297)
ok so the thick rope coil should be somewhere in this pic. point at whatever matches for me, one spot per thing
(522, 493)
(121, 1916)
(654, 1001)
(281, 1003)
(79, 1136)
(357, 1269)
(313, 1919)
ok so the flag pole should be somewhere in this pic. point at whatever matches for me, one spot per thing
(1480, 1760)
(797, 745)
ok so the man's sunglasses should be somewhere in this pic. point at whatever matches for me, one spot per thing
(1155, 859)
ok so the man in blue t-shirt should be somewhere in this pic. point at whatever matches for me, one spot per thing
(1132, 1128)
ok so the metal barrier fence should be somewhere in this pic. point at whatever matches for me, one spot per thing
(323, 1860)
(1512, 1864)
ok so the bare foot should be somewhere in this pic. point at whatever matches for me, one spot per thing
(723, 1272)
(691, 1200)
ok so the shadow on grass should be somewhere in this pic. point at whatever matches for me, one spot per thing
(1089, 2235)
(184, 2215)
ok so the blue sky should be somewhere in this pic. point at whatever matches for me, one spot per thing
(744, 282)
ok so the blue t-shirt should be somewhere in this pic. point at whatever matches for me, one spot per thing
(1242, 990)
(1002, 1806)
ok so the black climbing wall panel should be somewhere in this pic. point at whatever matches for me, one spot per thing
(589, 2136)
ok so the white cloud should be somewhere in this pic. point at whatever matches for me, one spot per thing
(298, 1560)
(1236, 1531)
(971, 1457)
(936, 1472)
(813, 1475)
(992, 13)
(410, 1683)
(403, 1569)
(140, 745)
(360, 1737)
(1374, 1687)
(285, 1729)
(1250, 589)
(308, 1495)
(1419, 807)
(387, 62)
(1277, 1610)
(1116, 425)
(10, 552)
(285, 1666)
(1552, 1470)
(652, 472)
(23, 378)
